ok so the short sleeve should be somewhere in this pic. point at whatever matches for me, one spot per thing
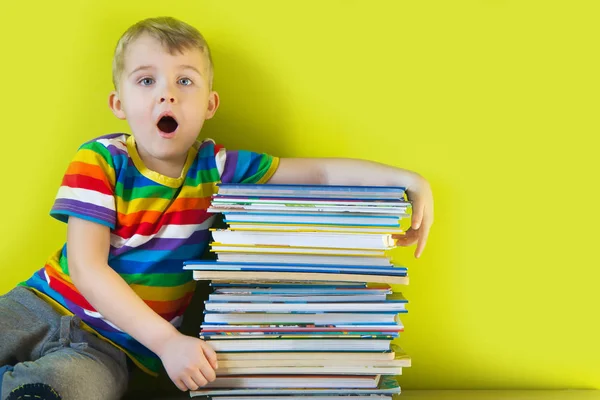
(241, 166)
(87, 188)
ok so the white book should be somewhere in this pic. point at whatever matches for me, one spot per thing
(336, 369)
(299, 344)
(305, 290)
(307, 357)
(316, 218)
(299, 298)
(285, 249)
(315, 362)
(313, 228)
(329, 318)
(304, 307)
(222, 208)
(305, 239)
(303, 259)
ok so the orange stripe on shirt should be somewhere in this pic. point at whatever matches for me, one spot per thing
(93, 171)
(169, 307)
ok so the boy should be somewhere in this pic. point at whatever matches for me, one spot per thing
(136, 206)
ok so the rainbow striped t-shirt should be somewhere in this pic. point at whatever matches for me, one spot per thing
(156, 223)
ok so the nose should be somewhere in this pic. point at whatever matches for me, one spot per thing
(167, 99)
(167, 95)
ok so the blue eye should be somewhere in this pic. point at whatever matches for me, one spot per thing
(185, 81)
(146, 81)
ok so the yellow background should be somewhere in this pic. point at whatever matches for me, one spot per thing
(494, 101)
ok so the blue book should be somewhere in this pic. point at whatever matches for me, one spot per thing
(287, 285)
(277, 307)
(304, 298)
(201, 265)
(298, 190)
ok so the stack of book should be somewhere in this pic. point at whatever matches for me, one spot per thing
(302, 303)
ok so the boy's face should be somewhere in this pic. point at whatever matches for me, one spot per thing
(165, 99)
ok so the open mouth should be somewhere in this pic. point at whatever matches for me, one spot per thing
(167, 124)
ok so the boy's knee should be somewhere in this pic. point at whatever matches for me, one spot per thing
(71, 375)
(38, 391)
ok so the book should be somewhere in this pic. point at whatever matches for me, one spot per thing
(307, 356)
(300, 370)
(285, 249)
(328, 336)
(295, 381)
(299, 328)
(282, 344)
(309, 288)
(378, 318)
(306, 239)
(306, 397)
(296, 285)
(301, 255)
(306, 307)
(200, 265)
(386, 385)
(302, 259)
(382, 210)
(220, 199)
(353, 229)
(248, 276)
(299, 334)
(303, 298)
(228, 256)
(294, 190)
(347, 218)
(400, 359)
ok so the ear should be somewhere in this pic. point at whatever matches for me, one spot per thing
(114, 102)
(213, 104)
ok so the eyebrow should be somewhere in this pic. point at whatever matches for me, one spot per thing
(140, 68)
(143, 67)
(192, 68)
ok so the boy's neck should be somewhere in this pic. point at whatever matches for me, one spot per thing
(170, 168)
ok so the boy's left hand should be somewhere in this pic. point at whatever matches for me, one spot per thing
(421, 197)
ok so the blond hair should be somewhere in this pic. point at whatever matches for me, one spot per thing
(173, 34)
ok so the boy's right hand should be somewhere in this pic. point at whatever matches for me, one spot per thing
(190, 362)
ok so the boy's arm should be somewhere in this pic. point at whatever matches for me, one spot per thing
(346, 171)
(184, 357)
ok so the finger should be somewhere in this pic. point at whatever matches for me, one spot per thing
(408, 239)
(189, 383)
(210, 355)
(417, 215)
(180, 385)
(424, 234)
(199, 378)
(207, 370)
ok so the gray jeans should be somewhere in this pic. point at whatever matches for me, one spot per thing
(39, 345)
